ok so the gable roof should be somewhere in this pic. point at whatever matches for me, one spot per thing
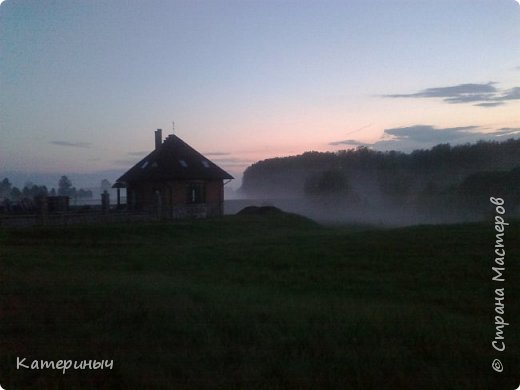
(174, 159)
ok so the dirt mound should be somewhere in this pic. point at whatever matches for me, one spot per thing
(262, 210)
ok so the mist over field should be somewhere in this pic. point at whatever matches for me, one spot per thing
(442, 185)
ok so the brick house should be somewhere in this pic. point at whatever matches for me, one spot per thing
(175, 181)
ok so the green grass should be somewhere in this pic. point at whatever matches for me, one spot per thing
(257, 303)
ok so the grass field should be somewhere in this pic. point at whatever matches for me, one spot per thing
(254, 302)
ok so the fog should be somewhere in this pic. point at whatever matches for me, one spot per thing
(338, 211)
(442, 185)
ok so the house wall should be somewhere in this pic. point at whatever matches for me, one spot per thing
(170, 200)
(215, 197)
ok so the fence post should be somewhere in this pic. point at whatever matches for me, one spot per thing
(45, 210)
(105, 202)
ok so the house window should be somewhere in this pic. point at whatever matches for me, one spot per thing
(183, 163)
(196, 193)
(205, 163)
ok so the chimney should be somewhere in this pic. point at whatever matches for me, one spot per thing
(158, 138)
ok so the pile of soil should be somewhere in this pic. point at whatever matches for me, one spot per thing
(262, 210)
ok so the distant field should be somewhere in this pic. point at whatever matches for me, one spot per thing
(250, 302)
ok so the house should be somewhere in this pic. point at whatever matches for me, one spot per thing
(175, 181)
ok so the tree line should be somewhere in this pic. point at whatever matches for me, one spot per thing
(463, 171)
(31, 191)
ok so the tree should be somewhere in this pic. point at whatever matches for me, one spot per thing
(26, 191)
(15, 194)
(329, 182)
(105, 185)
(64, 186)
(32, 191)
(5, 188)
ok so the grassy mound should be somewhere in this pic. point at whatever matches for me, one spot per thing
(260, 210)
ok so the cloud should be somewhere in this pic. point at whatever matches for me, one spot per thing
(128, 163)
(426, 136)
(506, 131)
(138, 154)
(490, 104)
(350, 142)
(232, 162)
(414, 137)
(511, 94)
(72, 144)
(450, 92)
(484, 95)
(469, 98)
(216, 154)
(426, 133)
(461, 93)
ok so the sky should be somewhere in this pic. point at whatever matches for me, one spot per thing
(84, 83)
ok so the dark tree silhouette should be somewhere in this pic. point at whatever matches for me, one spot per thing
(329, 182)
(65, 186)
(105, 185)
(5, 188)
